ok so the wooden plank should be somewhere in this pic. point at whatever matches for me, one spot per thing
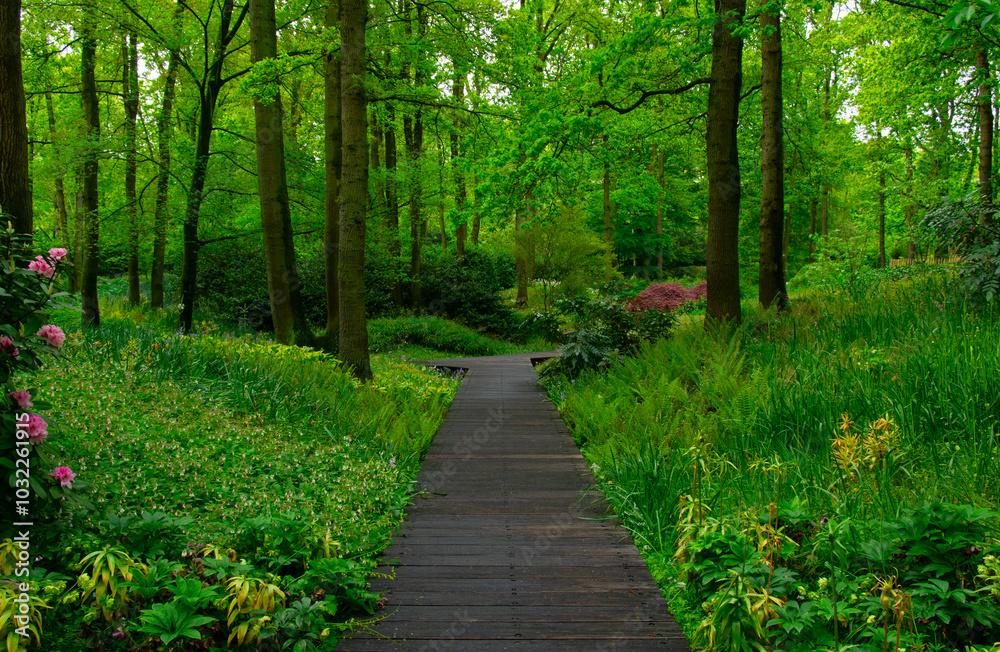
(511, 547)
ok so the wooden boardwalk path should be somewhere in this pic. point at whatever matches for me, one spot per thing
(511, 548)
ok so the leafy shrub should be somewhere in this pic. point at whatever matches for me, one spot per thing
(386, 333)
(584, 350)
(666, 297)
(976, 240)
(469, 291)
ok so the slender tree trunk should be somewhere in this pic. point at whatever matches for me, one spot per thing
(771, 284)
(724, 165)
(812, 229)
(606, 183)
(354, 190)
(476, 217)
(79, 227)
(378, 200)
(825, 189)
(59, 198)
(520, 258)
(392, 204)
(462, 227)
(790, 197)
(985, 134)
(130, 85)
(195, 195)
(272, 184)
(661, 200)
(91, 117)
(413, 131)
(881, 219)
(415, 148)
(911, 206)
(164, 133)
(441, 224)
(15, 184)
(333, 146)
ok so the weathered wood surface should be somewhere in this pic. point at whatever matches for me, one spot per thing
(511, 547)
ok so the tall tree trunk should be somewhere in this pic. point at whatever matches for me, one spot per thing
(812, 229)
(354, 190)
(414, 150)
(209, 96)
(824, 210)
(441, 193)
(911, 205)
(333, 147)
(413, 132)
(661, 200)
(787, 236)
(476, 217)
(92, 119)
(825, 189)
(130, 86)
(985, 133)
(881, 219)
(771, 284)
(462, 227)
(606, 184)
(59, 198)
(392, 203)
(724, 165)
(79, 227)
(272, 181)
(164, 132)
(15, 184)
(378, 199)
(520, 257)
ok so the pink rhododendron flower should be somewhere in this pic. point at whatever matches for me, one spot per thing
(42, 266)
(22, 398)
(53, 334)
(7, 344)
(58, 253)
(37, 429)
(64, 475)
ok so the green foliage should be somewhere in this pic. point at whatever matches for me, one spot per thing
(468, 290)
(769, 521)
(973, 232)
(172, 620)
(437, 333)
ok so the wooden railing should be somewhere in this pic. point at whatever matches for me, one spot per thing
(903, 262)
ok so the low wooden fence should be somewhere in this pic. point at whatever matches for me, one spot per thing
(903, 262)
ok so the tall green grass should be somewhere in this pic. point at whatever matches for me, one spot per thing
(734, 425)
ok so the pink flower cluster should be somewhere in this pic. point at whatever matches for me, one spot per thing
(7, 346)
(53, 334)
(665, 297)
(38, 429)
(42, 267)
(64, 475)
(22, 398)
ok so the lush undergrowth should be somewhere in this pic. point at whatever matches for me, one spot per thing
(827, 480)
(441, 336)
(242, 489)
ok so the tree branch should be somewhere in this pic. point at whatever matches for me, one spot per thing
(648, 94)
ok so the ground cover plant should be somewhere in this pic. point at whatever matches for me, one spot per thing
(610, 321)
(823, 481)
(240, 489)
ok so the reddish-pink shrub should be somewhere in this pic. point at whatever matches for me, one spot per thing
(665, 297)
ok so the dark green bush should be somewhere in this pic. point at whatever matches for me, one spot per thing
(973, 232)
(470, 292)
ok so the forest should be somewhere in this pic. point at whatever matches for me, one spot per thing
(763, 236)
